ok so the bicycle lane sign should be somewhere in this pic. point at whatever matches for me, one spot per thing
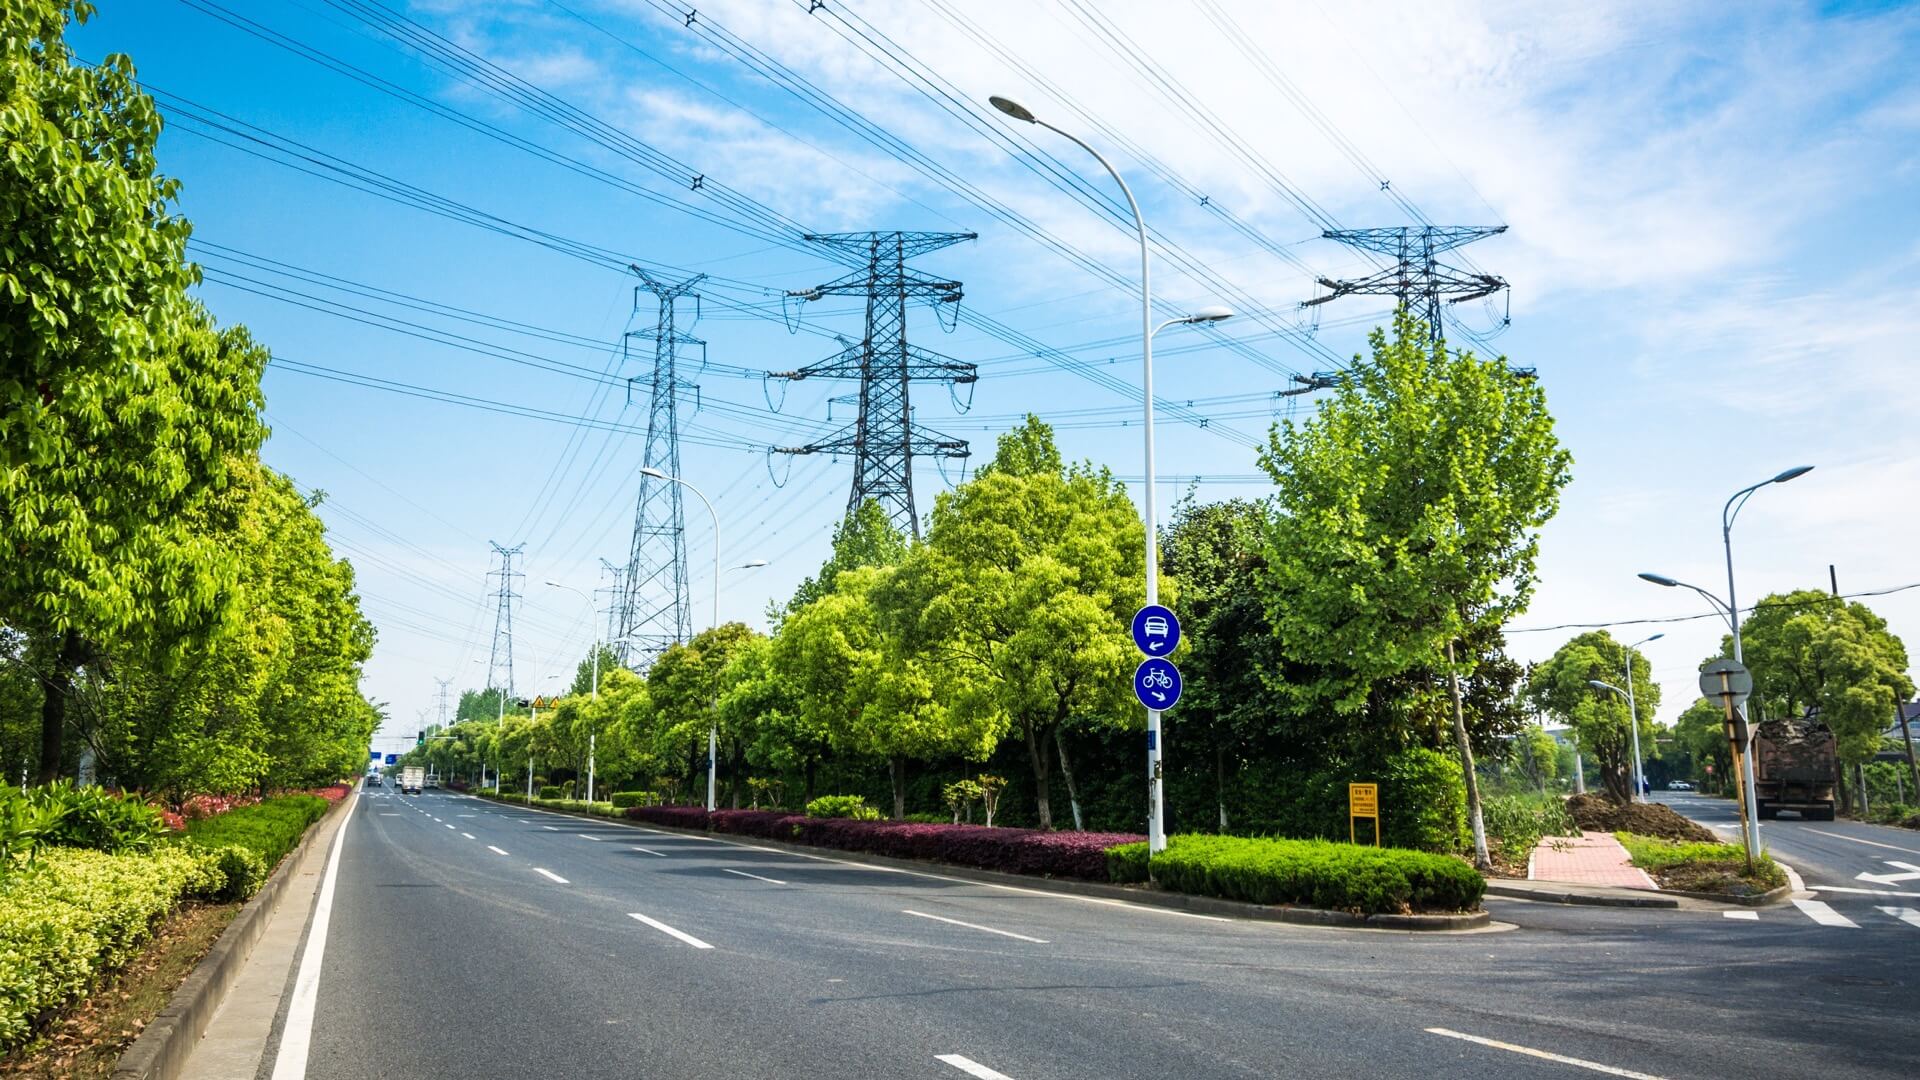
(1156, 682)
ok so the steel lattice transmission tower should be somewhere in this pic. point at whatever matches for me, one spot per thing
(883, 439)
(1417, 277)
(500, 663)
(445, 684)
(652, 609)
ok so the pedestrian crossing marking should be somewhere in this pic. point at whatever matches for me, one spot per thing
(1823, 913)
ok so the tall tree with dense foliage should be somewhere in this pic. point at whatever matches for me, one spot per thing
(865, 537)
(1406, 517)
(1020, 598)
(1561, 687)
(121, 404)
(1810, 650)
(684, 685)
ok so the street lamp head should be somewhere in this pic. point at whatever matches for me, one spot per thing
(648, 470)
(550, 584)
(1210, 314)
(1659, 579)
(1655, 637)
(1596, 684)
(1792, 474)
(754, 564)
(1011, 108)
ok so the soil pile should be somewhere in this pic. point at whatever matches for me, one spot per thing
(1601, 814)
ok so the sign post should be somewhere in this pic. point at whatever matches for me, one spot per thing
(1730, 683)
(1363, 801)
(1156, 683)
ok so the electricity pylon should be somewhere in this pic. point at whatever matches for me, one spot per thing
(1417, 277)
(500, 663)
(883, 440)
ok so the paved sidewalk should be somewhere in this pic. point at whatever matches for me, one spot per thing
(1594, 858)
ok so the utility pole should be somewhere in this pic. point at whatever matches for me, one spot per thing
(883, 440)
(500, 662)
(651, 608)
(1417, 277)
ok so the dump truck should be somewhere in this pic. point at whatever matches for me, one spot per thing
(1794, 766)
(411, 779)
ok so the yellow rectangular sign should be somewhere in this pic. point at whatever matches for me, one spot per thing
(1363, 801)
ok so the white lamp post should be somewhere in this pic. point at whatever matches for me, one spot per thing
(1156, 798)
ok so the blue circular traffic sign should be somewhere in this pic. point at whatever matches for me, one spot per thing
(1156, 682)
(1155, 630)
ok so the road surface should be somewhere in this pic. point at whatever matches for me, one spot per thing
(1861, 874)
(465, 938)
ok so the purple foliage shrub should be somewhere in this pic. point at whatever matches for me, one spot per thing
(1013, 851)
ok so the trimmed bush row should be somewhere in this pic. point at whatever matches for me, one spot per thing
(1014, 851)
(74, 914)
(1314, 873)
(247, 842)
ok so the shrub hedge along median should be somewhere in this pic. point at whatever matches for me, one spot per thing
(1314, 873)
(1013, 851)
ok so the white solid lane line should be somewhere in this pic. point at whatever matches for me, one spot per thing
(1869, 843)
(974, 926)
(1544, 1055)
(669, 931)
(971, 1067)
(495, 850)
(756, 877)
(1824, 914)
(1904, 914)
(1754, 915)
(650, 851)
(468, 835)
(549, 874)
(297, 1038)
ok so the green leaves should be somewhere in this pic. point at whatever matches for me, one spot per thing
(1406, 514)
(1809, 650)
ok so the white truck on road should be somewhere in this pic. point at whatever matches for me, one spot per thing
(412, 778)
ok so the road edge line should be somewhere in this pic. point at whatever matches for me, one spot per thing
(296, 1038)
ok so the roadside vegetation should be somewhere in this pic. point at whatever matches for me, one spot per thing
(1707, 867)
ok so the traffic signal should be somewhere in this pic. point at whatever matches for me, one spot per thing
(420, 739)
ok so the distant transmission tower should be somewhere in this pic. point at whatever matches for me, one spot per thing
(444, 685)
(1418, 278)
(500, 664)
(883, 440)
(652, 606)
(615, 579)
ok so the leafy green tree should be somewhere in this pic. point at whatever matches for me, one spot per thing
(761, 696)
(1701, 731)
(1561, 687)
(684, 685)
(1020, 599)
(1406, 517)
(1809, 650)
(865, 537)
(608, 662)
(120, 403)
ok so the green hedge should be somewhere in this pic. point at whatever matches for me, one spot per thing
(1516, 823)
(248, 841)
(624, 799)
(74, 914)
(842, 806)
(1315, 873)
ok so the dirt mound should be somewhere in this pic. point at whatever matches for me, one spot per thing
(1601, 814)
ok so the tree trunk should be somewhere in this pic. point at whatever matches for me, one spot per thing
(898, 766)
(1066, 772)
(1037, 750)
(1220, 783)
(53, 706)
(1480, 858)
(1860, 784)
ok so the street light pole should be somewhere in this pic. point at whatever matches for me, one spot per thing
(1731, 609)
(1633, 723)
(1156, 792)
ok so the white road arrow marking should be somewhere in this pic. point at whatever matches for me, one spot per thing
(1912, 874)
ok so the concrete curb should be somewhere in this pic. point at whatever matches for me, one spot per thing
(1771, 896)
(162, 1049)
(1558, 896)
(1200, 905)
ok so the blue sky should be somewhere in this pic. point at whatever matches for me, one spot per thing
(1711, 241)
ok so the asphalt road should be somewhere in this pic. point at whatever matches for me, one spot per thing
(1862, 874)
(472, 939)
